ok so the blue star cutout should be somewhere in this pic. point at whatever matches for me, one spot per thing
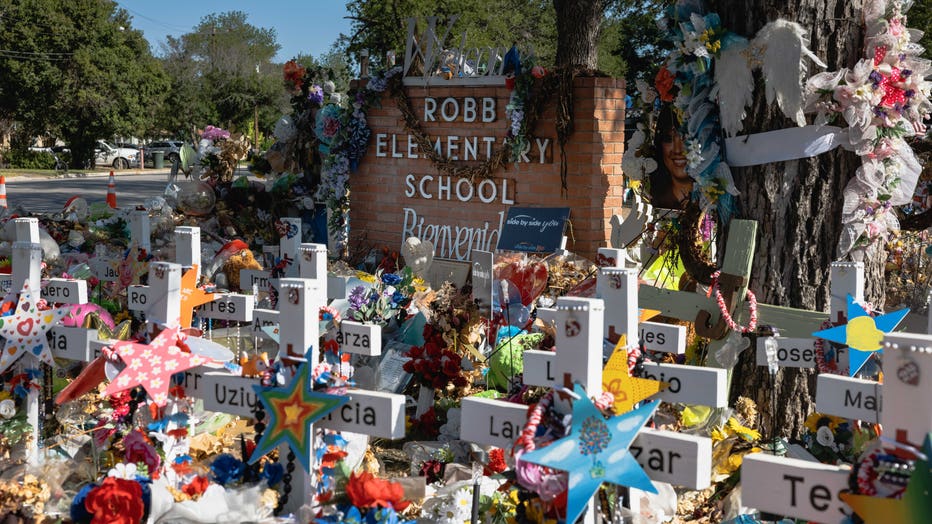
(292, 409)
(596, 451)
(862, 334)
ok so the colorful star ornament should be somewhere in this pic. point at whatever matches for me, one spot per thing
(191, 297)
(627, 390)
(596, 451)
(914, 507)
(152, 365)
(863, 334)
(292, 409)
(26, 328)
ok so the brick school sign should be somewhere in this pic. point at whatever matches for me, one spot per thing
(397, 192)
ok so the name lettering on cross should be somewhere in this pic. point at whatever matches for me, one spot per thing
(359, 339)
(370, 413)
(492, 422)
(793, 487)
(229, 306)
(65, 291)
(846, 397)
(71, 343)
(791, 352)
(907, 382)
(675, 458)
(690, 384)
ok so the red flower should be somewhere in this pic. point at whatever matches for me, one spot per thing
(294, 73)
(196, 487)
(496, 462)
(368, 491)
(115, 501)
(664, 84)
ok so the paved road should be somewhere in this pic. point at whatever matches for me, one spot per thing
(42, 195)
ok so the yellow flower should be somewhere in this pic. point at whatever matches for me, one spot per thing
(365, 277)
(815, 420)
(718, 435)
(4, 395)
(742, 431)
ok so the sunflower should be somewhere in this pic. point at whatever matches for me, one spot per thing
(817, 420)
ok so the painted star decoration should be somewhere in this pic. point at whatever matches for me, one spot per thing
(596, 451)
(191, 297)
(863, 334)
(152, 365)
(25, 330)
(915, 506)
(627, 390)
(292, 409)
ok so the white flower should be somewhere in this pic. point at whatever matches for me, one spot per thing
(462, 503)
(825, 437)
(7, 408)
(123, 471)
(329, 87)
(693, 153)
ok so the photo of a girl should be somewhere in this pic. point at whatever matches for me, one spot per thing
(670, 185)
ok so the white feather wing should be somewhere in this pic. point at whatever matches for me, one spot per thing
(783, 49)
(734, 87)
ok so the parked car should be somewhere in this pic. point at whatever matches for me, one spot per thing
(126, 145)
(171, 149)
(118, 157)
(106, 154)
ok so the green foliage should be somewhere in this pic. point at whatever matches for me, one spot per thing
(78, 70)
(222, 73)
(632, 45)
(26, 159)
(379, 26)
(920, 17)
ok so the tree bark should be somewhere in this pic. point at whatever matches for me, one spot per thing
(797, 203)
(578, 26)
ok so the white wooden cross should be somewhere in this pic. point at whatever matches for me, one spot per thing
(847, 278)
(27, 267)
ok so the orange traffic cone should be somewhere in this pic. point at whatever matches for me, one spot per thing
(2, 191)
(111, 192)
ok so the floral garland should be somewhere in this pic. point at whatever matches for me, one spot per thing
(883, 99)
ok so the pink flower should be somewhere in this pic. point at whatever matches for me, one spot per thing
(547, 483)
(896, 27)
(331, 126)
(137, 449)
(883, 150)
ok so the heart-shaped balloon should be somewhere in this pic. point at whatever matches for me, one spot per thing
(530, 278)
(418, 255)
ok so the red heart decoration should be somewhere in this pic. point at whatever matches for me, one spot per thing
(24, 328)
(529, 277)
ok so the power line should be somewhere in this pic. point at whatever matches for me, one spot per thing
(157, 22)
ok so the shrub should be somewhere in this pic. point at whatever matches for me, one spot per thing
(26, 159)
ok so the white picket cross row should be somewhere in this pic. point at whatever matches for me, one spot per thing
(852, 398)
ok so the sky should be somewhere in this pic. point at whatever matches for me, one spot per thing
(301, 26)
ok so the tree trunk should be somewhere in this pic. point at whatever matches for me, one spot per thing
(578, 26)
(797, 203)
